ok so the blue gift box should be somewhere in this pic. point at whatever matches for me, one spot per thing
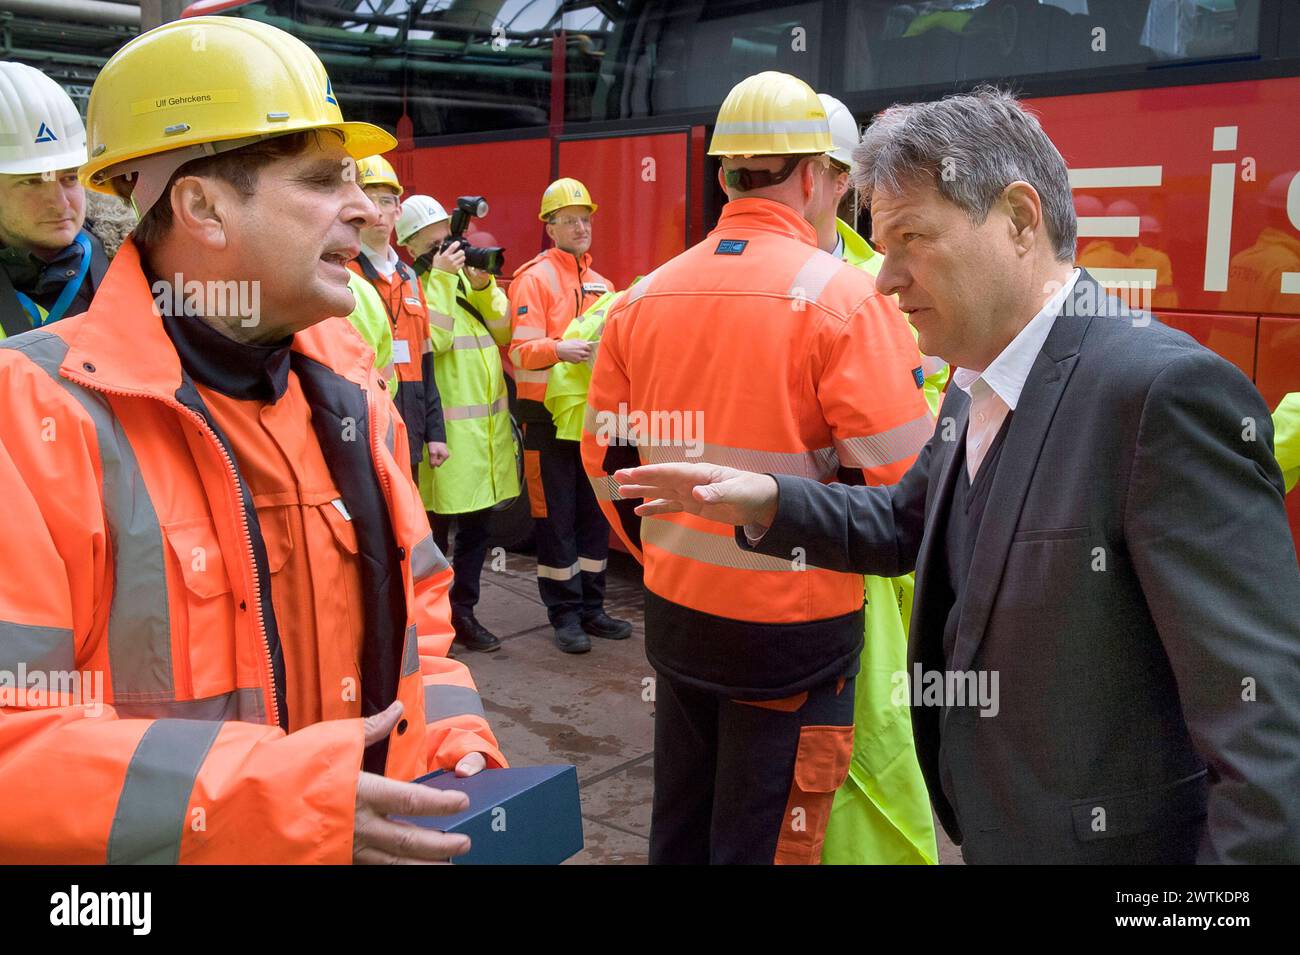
(525, 816)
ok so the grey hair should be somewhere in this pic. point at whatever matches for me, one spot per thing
(971, 146)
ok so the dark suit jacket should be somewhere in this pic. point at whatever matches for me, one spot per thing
(1135, 589)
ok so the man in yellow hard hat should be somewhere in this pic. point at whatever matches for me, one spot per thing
(753, 346)
(403, 300)
(50, 265)
(546, 294)
(214, 545)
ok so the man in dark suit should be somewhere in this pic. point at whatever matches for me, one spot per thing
(1104, 655)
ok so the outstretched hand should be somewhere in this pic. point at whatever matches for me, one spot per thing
(714, 492)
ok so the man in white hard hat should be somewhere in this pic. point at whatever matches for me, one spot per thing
(469, 323)
(50, 265)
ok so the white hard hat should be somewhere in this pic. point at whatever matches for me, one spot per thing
(43, 131)
(844, 129)
(418, 212)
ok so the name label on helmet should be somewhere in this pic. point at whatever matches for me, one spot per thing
(731, 247)
(197, 98)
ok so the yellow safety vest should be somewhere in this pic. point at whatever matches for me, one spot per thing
(481, 471)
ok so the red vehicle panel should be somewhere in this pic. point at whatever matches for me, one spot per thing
(1182, 184)
(1232, 336)
(1278, 374)
(512, 188)
(640, 184)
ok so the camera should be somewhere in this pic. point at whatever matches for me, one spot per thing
(488, 258)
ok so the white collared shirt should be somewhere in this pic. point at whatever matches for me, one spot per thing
(385, 262)
(995, 391)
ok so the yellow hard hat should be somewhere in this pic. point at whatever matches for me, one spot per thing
(377, 171)
(564, 192)
(771, 114)
(202, 86)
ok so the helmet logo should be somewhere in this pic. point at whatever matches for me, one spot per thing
(329, 92)
(46, 135)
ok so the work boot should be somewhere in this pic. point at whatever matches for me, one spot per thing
(473, 635)
(601, 624)
(570, 638)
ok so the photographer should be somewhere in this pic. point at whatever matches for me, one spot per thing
(468, 320)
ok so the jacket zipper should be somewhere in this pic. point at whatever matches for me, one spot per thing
(272, 712)
(375, 453)
(373, 418)
(578, 291)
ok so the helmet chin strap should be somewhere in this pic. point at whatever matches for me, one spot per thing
(746, 180)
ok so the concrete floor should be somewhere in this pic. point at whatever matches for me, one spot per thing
(586, 709)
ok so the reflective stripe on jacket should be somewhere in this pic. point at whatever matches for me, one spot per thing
(481, 470)
(745, 350)
(134, 553)
(546, 294)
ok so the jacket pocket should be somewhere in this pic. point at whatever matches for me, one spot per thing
(1137, 811)
(205, 610)
(820, 768)
(1052, 534)
(341, 607)
(194, 544)
(341, 527)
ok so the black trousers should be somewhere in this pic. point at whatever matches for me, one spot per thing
(747, 782)
(572, 533)
(467, 559)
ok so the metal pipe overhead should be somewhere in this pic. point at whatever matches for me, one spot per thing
(83, 11)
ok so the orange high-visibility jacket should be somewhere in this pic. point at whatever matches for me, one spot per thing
(547, 293)
(131, 550)
(417, 397)
(756, 350)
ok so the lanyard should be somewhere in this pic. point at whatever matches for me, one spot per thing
(372, 274)
(70, 290)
